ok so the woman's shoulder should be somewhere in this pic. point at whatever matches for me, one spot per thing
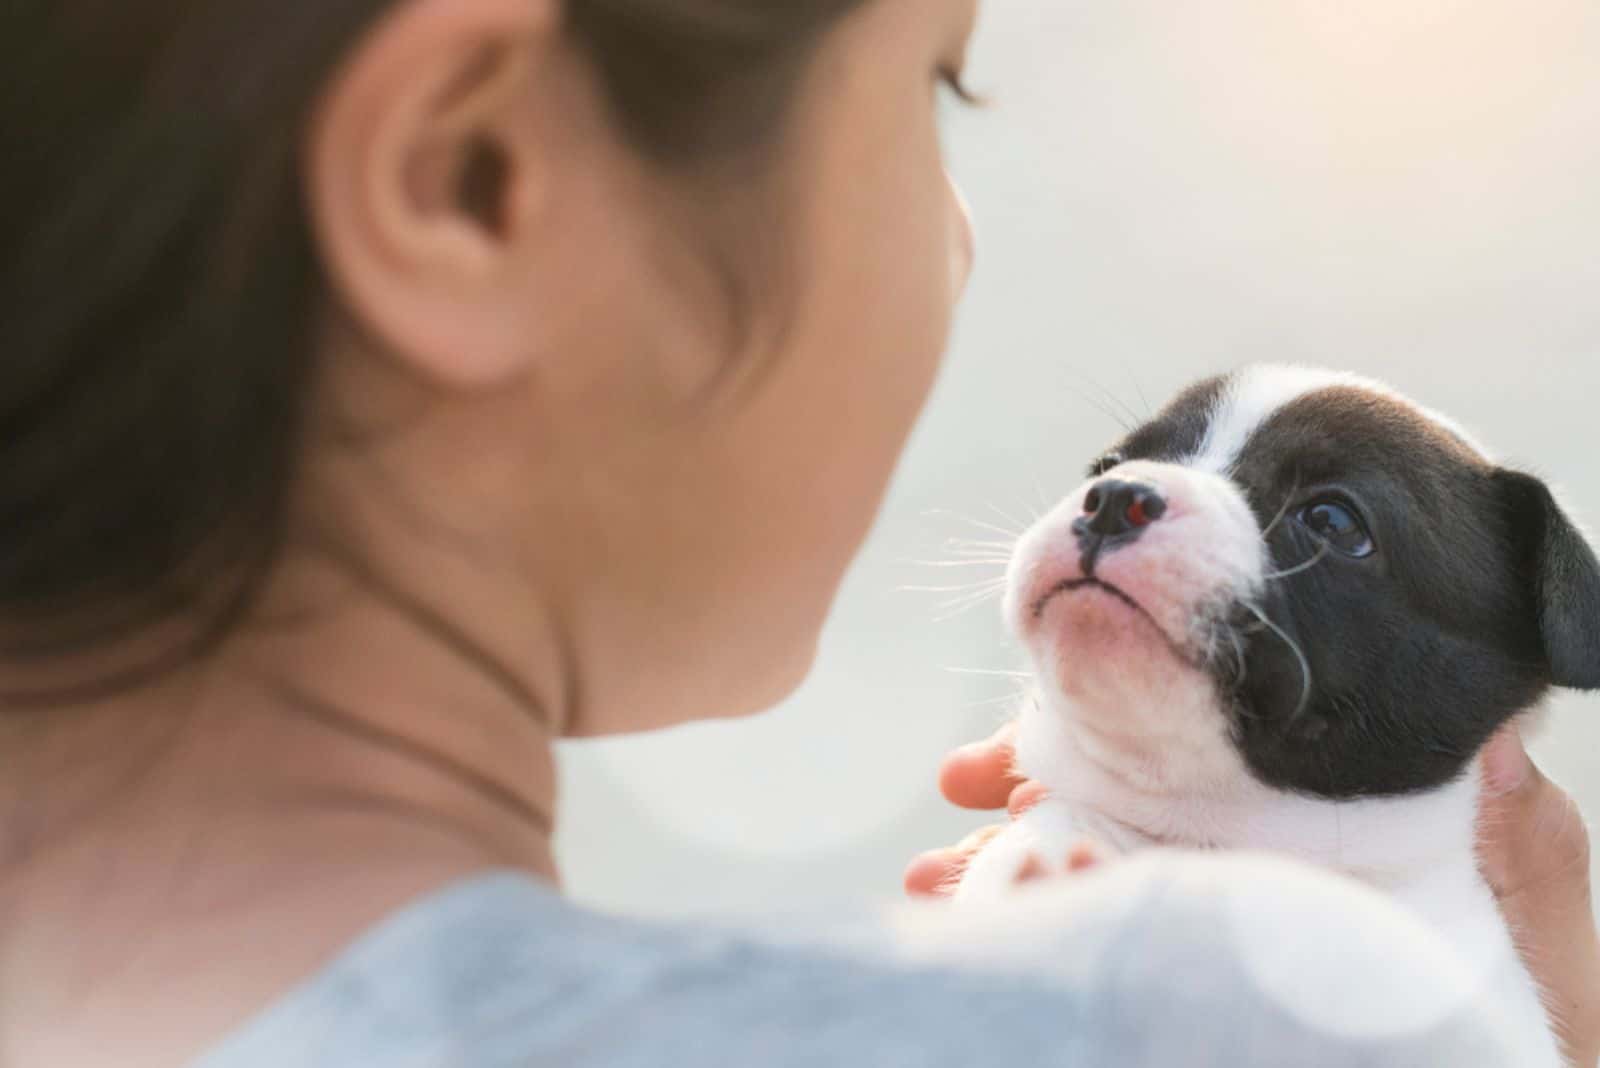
(1145, 966)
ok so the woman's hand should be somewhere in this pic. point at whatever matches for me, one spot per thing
(1533, 849)
(979, 776)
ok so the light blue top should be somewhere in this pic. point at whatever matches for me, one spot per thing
(1160, 967)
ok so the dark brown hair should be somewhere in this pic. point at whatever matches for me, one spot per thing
(159, 283)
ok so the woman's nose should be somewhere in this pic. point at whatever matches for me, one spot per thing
(964, 249)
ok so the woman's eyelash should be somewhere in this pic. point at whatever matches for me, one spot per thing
(955, 81)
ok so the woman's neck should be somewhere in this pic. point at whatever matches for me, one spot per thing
(264, 809)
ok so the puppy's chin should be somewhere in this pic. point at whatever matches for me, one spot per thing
(1113, 689)
(1098, 647)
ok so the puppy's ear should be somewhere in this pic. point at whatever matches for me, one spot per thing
(1560, 565)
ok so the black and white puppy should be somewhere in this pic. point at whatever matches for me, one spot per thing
(1286, 614)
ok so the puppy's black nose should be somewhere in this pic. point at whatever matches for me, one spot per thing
(1114, 508)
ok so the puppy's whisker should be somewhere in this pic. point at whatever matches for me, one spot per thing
(972, 589)
(1283, 512)
(1238, 656)
(1321, 555)
(976, 561)
(1111, 397)
(1044, 504)
(1149, 409)
(1009, 699)
(980, 549)
(1299, 655)
(1008, 517)
(961, 605)
(983, 586)
(980, 524)
(1100, 407)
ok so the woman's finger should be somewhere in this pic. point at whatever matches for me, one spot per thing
(981, 775)
(1532, 837)
(936, 873)
(1534, 851)
(1025, 797)
(932, 874)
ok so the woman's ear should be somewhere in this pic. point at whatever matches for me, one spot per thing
(1559, 562)
(424, 170)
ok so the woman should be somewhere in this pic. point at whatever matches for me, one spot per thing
(392, 387)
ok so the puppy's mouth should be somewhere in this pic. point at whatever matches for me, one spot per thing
(1078, 584)
(1092, 584)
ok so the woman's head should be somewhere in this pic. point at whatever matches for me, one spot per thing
(623, 306)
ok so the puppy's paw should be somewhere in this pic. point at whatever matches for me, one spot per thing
(1013, 856)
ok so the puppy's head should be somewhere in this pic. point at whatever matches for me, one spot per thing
(1312, 579)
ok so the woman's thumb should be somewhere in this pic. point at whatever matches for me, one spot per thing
(1507, 769)
(1533, 848)
(1531, 837)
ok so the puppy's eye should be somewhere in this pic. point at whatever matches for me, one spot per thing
(1337, 524)
(1106, 463)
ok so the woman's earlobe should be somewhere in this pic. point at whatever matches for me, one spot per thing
(1561, 564)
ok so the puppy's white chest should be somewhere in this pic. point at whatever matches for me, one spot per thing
(1419, 851)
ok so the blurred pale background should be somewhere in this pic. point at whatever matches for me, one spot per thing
(1408, 188)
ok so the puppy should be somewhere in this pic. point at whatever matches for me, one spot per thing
(1286, 614)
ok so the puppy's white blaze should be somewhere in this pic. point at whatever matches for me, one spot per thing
(1248, 400)
(1252, 396)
